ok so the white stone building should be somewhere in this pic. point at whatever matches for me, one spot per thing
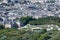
(7, 25)
(3, 1)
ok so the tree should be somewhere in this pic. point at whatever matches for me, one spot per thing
(35, 36)
(25, 20)
(1, 27)
(56, 36)
(43, 37)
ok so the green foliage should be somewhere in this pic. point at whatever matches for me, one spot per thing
(55, 36)
(15, 34)
(1, 27)
(41, 21)
(25, 20)
(43, 37)
(11, 34)
(35, 36)
(44, 31)
(46, 20)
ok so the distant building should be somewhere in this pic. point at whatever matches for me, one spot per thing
(38, 1)
(3, 1)
(7, 25)
(52, 0)
(18, 23)
(47, 27)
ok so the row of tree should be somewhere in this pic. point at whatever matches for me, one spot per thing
(41, 21)
(15, 34)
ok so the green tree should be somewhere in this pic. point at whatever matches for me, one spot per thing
(35, 36)
(1, 27)
(43, 37)
(25, 20)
